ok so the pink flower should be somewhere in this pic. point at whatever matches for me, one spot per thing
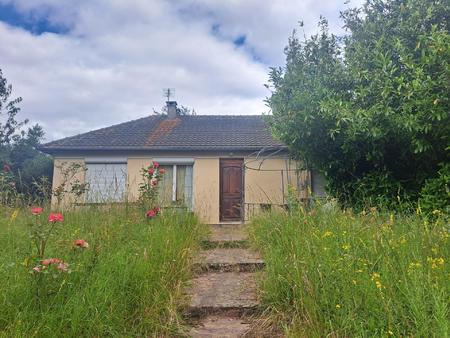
(156, 210)
(161, 171)
(153, 182)
(36, 211)
(62, 267)
(37, 269)
(55, 218)
(150, 213)
(155, 165)
(6, 168)
(151, 171)
(81, 243)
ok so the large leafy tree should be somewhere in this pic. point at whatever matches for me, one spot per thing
(20, 159)
(370, 110)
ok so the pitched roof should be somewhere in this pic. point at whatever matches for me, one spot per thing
(194, 132)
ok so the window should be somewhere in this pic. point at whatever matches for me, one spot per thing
(107, 182)
(176, 185)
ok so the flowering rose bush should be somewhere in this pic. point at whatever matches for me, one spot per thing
(148, 189)
(55, 263)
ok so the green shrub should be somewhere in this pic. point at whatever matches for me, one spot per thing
(435, 195)
(339, 274)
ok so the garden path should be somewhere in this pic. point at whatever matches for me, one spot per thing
(223, 294)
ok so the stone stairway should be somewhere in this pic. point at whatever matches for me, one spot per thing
(223, 294)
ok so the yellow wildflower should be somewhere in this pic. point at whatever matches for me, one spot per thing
(14, 215)
(413, 266)
(436, 263)
(378, 284)
(354, 282)
(390, 333)
(338, 306)
(375, 275)
(346, 247)
(327, 234)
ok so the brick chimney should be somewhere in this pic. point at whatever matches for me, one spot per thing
(172, 109)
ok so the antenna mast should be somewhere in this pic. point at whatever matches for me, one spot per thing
(168, 93)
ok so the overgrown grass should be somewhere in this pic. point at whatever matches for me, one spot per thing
(336, 274)
(128, 283)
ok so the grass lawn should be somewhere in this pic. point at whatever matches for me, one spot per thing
(336, 274)
(127, 283)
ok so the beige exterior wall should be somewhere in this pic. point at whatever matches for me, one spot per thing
(134, 167)
(63, 179)
(206, 189)
(268, 184)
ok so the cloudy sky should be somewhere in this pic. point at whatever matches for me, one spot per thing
(85, 64)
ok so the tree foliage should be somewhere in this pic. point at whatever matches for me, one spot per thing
(371, 109)
(20, 160)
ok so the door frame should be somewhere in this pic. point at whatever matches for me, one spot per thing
(241, 159)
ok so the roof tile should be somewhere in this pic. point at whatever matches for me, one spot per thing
(193, 132)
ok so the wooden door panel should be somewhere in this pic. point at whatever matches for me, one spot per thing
(231, 193)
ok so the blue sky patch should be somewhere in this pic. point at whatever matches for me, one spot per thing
(240, 40)
(31, 22)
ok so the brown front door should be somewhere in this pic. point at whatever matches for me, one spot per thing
(231, 189)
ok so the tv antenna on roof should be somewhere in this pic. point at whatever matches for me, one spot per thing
(169, 92)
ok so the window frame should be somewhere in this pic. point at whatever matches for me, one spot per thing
(108, 161)
(174, 162)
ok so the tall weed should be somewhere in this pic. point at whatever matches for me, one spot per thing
(127, 283)
(339, 274)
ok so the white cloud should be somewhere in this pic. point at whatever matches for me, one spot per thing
(117, 56)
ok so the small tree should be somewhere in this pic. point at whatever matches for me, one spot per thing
(370, 110)
(18, 146)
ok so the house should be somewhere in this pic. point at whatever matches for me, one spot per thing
(224, 168)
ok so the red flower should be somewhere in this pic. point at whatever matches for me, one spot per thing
(49, 261)
(6, 168)
(157, 210)
(153, 182)
(161, 171)
(151, 171)
(55, 218)
(37, 269)
(36, 211)
(155, 165)
(81, 243)
(150, 214)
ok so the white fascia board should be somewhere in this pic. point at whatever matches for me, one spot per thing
(173, 160)
(105, 159)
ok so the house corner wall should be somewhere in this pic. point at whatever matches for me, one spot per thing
(267, 182)
(67, 199)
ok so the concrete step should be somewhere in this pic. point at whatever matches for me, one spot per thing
(219, 326)
(227, 260)
(231, 293)
(226, 236)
